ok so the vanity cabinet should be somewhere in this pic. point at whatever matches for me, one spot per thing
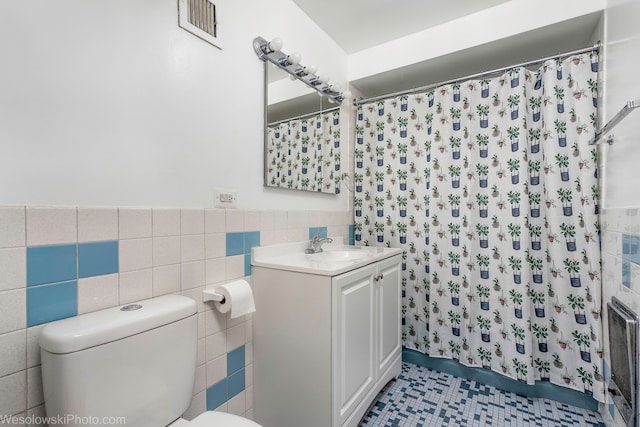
(324, 345)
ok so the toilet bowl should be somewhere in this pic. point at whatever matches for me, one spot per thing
(215, 419)
(136, 362)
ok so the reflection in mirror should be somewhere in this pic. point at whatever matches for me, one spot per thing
(302, 135)
(304, 153)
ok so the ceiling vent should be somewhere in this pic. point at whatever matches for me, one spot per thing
(201, 18)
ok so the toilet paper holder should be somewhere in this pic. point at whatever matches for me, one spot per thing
(212, 295)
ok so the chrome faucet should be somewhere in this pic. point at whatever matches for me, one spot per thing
(315, 244)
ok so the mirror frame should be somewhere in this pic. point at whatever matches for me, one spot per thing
(312, 144)
(326, 92)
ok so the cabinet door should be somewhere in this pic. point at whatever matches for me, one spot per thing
(353, 340)
(389, 317)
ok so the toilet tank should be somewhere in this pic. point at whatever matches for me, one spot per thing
(131, 365)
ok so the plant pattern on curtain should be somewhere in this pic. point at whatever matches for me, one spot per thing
(304, 153)
(491, 189)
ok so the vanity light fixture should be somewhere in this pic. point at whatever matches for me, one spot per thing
(271, 51)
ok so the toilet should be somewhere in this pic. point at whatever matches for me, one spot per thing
(132, 365)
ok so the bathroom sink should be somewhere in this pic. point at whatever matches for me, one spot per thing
(335, 258)
(344, 255)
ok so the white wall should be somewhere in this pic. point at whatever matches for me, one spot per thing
(111, 103)
(621, 193)
(622, 56)
(503, 21)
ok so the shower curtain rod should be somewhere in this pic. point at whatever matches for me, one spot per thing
(595, 47)
(303, 116)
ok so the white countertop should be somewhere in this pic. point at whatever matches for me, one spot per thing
(335, 258)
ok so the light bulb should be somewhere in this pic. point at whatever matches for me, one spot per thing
(294, 58)
(275, 44)
(346, 94)
(324, 78)
(311, 69)
(336, 88)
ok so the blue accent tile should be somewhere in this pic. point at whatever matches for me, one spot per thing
(97, 258)
(612, 410)
(247, 264)
(236, 383)
(626, 246)
(51, 264)
(251, 239)
(216, 395)
(352, 240)
(235, 243)
(631, 248)
(634, 249)
(606, 372)
(47, 303)
(626, 273)
(315, 230)
(235, 360)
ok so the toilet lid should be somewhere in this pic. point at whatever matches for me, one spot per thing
(221, 419)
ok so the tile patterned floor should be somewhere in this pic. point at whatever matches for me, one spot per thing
(422, 397)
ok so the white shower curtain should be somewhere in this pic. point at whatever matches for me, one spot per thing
(490, 188)
(304, 153)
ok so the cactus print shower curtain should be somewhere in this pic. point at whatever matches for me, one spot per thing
(490, 187)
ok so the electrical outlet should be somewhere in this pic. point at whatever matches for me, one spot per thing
(224, 198)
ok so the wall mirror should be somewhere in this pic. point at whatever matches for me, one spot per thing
(302, 133)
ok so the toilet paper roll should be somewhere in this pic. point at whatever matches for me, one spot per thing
(238, 299)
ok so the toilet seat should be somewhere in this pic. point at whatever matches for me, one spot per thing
(220, 419)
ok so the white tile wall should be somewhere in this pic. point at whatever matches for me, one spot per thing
(166, 250)
(237, 404)
(234, 220)
(97, 293)
(192, 221)
(614, 224)
(251, 220)
(166, 222)
(215, 245)
(216, 370)
(136, 285)
(161, 251)
(192, 247)
(215, 221)
(192, 274)
(97, 224)
(33, 349)
(51, 226)
(12, 227)
(13, 306)
(135, 223)
(135, 254)
(13, 268)
(13, 352)
(13, 392)
(234, 268)
(166, 280)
